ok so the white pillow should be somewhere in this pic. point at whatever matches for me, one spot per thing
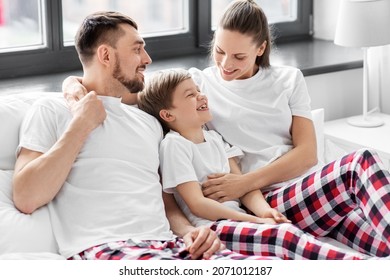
(12, 110)
(21, 233)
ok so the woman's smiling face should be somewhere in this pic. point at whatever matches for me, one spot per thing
(235, 54)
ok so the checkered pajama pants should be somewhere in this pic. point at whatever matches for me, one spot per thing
(152, 250)
(348, 199)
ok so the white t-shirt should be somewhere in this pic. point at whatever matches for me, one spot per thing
(112, 192)
(183, 161)
(255, 114)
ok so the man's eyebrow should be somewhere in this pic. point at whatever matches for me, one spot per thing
(139, 42)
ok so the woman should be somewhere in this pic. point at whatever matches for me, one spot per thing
(265, 111)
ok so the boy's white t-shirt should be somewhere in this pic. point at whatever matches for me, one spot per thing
(113, 190)
(183, 161)
(255, 114)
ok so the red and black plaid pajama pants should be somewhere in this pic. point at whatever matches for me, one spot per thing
(348, 199)
(152, 250)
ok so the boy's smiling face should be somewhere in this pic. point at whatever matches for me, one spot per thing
(189, 107)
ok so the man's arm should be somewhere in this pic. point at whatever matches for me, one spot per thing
(200, 241)
(38, 177)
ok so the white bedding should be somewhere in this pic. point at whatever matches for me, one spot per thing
(27, 237)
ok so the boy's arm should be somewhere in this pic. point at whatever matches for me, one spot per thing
(206, 208)
(255, 201)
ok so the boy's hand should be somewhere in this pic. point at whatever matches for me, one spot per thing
(275, 215)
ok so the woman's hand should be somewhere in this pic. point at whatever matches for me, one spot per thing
(225, 186)
(202, 242)
(73, 90)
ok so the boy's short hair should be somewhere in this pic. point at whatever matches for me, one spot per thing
(100, 28)
(158, 92)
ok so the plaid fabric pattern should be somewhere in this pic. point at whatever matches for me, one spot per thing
(327, 199)
(285, 241)
(152, 250)
(358, 234)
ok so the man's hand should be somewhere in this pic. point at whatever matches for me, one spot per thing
(202, 242)
(89, 112)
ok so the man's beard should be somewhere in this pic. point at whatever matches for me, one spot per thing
(133, 85)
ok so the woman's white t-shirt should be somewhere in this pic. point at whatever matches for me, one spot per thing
(183, 161)
(255, 114)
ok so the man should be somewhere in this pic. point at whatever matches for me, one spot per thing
(97, 167)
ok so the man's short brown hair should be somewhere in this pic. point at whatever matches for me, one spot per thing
(100, 28)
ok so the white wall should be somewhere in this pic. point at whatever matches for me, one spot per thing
(341, 93)
(379, 61)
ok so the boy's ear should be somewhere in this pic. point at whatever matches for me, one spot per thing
(166, 115)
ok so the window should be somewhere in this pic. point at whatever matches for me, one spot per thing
(276, 10)
(37, 35)
(154, 17)
(21, 25)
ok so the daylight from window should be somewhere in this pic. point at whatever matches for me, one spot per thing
(21, 24)
(276, 10)
(154, 17)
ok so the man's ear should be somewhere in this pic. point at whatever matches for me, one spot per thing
(166, 115)
(103, 54)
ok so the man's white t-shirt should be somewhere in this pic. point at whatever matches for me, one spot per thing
(112, 192)
(255, 114)
(183, 161)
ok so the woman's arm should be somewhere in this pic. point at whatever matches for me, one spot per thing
(206, 208)
(73, 90)
(303, 156)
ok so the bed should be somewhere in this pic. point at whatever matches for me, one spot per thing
(30, 236)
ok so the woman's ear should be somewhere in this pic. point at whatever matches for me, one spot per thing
(262, 48)
(166, 115)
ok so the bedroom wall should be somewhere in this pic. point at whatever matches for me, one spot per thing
(339, 93)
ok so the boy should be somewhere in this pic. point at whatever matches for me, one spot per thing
(189, 153)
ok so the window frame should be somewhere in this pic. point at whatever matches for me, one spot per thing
(56, 57)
